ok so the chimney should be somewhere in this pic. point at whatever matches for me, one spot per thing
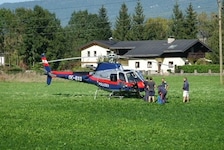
(170, 40)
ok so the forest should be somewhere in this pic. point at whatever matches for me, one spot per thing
(27, 33)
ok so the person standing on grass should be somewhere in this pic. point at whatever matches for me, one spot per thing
(146, 89)
(162, 94)
(150, 87)
(165, 85)
(186, 90)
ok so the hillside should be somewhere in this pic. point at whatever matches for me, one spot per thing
(152, 8)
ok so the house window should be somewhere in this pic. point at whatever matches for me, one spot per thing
(149, 64)
(170, 64)
(88, 54)
(94, 53)
(137, 64)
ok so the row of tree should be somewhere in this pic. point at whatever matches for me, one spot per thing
(26, 33)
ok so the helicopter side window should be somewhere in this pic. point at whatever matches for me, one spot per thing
(113, 77)
(121, 77)
(132, 77)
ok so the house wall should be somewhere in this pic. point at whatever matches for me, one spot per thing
(91, 55)
(171, 62)
(144, 64)
(2, 61)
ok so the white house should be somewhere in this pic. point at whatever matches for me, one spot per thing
(91, 55)
(154, 56)
(93, 51)
(161, 56)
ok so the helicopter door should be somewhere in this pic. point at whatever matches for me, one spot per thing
(113, 77)
(122, 77)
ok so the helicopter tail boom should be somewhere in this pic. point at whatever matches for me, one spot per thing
(77, 76)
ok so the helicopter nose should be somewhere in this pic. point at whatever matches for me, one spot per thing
(141, 85)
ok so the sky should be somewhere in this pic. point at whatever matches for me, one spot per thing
(12, 1)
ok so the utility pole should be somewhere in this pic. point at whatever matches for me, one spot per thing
(220, 40)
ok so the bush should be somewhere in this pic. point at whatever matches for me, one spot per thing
(199, 68)
(14, 70)
(169, 70)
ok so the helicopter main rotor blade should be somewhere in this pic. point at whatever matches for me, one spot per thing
(64, 59)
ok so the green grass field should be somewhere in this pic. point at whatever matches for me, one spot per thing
(65, 115)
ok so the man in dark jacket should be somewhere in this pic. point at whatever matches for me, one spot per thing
(185, 90)
(150, 90)
(165, 84)
(162, 93)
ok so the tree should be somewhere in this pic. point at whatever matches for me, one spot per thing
(213, 39)
(104, 26)
(191, 23)
(41, 31)
(204, 27)
(156, 29)
(8, 36)
(137, 29)
(177, 25)
(122, 24)
(83, 28)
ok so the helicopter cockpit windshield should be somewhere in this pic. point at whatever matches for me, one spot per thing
(140, 75)
(132, 77)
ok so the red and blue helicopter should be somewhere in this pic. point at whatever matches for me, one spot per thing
(109, 76)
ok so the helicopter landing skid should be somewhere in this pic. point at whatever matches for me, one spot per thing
(112, 94)
(96, 93)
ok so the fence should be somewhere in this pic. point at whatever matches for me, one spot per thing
(150, 72)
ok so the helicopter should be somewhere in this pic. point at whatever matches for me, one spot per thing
(109, 76)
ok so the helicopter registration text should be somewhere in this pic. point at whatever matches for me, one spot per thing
(77, 78)
(103, 84)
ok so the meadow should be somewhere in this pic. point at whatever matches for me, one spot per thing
(65, 115)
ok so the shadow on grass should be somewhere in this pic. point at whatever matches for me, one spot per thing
(79, 95)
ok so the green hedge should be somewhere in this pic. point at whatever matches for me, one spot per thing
(14, 70)
(199, 68)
